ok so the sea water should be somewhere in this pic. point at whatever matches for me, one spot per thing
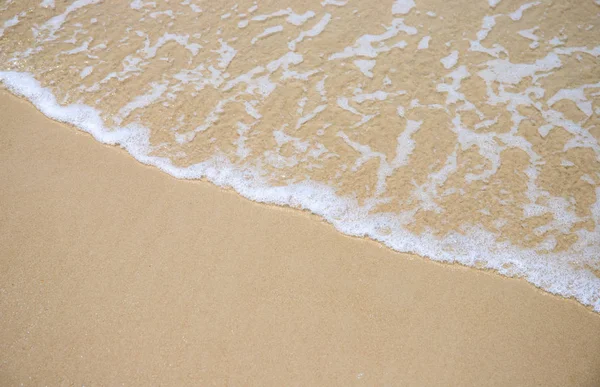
(464, 133)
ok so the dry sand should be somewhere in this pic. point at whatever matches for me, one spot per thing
(113, 272)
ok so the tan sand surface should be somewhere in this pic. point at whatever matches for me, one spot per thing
(116, 273)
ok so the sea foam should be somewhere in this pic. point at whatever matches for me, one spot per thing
(551, 272)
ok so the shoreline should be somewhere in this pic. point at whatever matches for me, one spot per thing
(351, 310)
(229, 178)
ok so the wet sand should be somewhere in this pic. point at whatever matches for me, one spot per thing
(114, 272)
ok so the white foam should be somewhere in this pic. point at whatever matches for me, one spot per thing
(518, 14)
(156, 91)
(530, 34)
(285, 61)
(595, 52)
(81, 48)
(267, 32)
(428, 191)
(577, 95)
(169, 13)
(503, 71)
(242, 150)
(588, 179)
(402, 7)
(450, 60)
(13, 21)
(226, 54)
(555, 41)
(406, 144)
(47, 4)
(183, 40)
(487, 24)
(378, 95)
(304, 119)
(424, 43)
(337, 3)
(193, 7)
(52, 25)
(365, 66)
(453, 89)
(251, 110)
(292, 17)
(364, 45)
(86, 71)
(314, 31)
(299, 19)
(344, 103)
(139, 4)
(367, 154)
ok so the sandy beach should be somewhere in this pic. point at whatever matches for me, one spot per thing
(311, 193)
(116, 273)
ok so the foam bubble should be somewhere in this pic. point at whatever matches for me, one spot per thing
(337, 3)
(530, 34)
(402, 7)
(267, 32)
(424, 43)
(9, 23)
(47, 4)
(450, 60)
(518, 14)
(314, 31)
(365, 66)
(364, 45)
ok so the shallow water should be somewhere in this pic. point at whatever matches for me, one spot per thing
(464, 134)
